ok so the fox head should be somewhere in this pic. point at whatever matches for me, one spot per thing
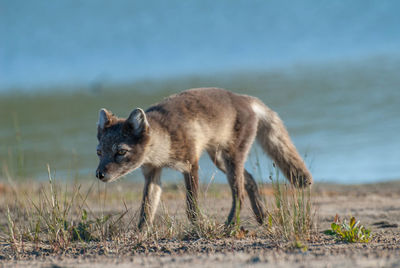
(122, 143)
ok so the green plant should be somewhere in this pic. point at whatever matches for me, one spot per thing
(351, 232)
(299, 245)
(82, 231)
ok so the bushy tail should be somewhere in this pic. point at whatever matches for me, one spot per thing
(275, 141)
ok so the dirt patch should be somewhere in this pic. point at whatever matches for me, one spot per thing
(377, 206)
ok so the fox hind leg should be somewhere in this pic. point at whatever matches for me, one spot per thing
(234, 172)
(256, 202)
(249, 184)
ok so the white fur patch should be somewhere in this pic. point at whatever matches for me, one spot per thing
(159, 148)
(258, 109)
(201, 136)
(155, 194)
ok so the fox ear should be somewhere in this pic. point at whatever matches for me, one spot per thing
(136, 123)
(104, 119)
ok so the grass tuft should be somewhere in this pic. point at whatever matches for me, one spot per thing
(291, 215)
(57, 219)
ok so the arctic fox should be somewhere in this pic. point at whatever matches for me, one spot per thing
(174, 133)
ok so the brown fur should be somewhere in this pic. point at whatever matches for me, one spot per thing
(174, 133)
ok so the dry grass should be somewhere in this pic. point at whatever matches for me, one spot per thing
(292, 215)
(58, 217)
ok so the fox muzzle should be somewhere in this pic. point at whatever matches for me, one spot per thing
(100, 175)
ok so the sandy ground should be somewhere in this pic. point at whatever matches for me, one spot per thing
(377, 206)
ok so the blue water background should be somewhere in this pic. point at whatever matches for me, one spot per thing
(349, 131)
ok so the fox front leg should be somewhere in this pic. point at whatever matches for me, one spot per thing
(151, 196)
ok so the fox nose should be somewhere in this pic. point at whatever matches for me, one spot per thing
(100, 175)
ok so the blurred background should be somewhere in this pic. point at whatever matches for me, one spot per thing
(329, 68)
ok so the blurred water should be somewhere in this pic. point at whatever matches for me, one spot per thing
(45, 43)
(329, 68)
(343, 117)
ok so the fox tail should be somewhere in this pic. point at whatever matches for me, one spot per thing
(275, 141)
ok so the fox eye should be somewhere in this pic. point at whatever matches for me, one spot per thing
(98, 152)
(121, 152)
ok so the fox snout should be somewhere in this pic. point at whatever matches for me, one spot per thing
(101, 173)
(105, 170)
